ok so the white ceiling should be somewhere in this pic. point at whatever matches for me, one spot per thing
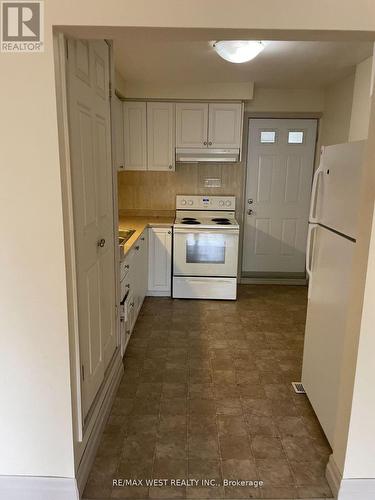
(162, 55)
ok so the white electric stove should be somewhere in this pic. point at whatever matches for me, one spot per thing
(205, 248)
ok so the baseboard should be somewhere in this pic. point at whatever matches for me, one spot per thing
(88, 456)
(273, 281)
(158, 294)
(357, 489)
(348, 489)
(333, 476)
(38, 488)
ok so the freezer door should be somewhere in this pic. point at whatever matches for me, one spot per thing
(331, 263)
(340, 187)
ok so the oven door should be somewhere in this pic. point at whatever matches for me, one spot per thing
(205, 252)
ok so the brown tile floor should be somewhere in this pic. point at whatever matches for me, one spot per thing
(206, 394)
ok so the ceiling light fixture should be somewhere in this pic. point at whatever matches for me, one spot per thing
(238, 51)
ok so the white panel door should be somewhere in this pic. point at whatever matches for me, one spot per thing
(278, 188)
(224, 125)
(90, 149)
(160, 261)
(161, 136)
(191, 125)
(118, 123)
(135, 135)
(329, 286)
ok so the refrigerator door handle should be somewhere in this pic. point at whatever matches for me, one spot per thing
(318, 172)
(308, 250)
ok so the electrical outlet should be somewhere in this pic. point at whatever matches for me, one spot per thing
(212, 182)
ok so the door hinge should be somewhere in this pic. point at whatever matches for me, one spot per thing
(83, 372)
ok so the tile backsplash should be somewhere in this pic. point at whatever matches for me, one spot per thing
(157, 190)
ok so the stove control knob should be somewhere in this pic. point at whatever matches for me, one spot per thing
(190, 202)
(228, 203)
(183, 202)
(221, 203)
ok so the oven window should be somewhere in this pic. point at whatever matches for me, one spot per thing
(205, 249)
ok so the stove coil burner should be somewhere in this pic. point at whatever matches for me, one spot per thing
(190, 221)
(220, 219)
(189, 218)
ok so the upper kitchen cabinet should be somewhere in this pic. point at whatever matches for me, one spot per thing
(118, 126)
(224, 125)
(191, 125)
(160, 136)
(135, 135)
(209, 125)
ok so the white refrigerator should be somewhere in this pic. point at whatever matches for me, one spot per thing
(331, 242)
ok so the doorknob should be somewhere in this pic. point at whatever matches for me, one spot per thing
(101, 243)
(250, 212)
(250, 201)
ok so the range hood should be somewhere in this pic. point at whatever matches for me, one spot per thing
(194, 155)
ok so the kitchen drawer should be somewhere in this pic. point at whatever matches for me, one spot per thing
(126, 264)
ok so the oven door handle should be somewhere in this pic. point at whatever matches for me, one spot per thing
(209, 231)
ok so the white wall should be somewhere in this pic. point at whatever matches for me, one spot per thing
(170, 90)
(35, 431)
(35, 414)
(286, 100)
(338, 101)
(360, 455)
(361, 101)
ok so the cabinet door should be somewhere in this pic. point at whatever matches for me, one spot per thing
(160, 262)
(160, 136)
(191, 125)
(141, 271)
(144, 265)
(135, 137)
(225, 125)
(118, 124)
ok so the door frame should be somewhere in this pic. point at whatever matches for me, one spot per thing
(248, 115)
(87, 431)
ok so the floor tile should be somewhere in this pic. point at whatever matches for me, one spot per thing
(266, 447)
(229, 406)
(203, 447)
(203, 469)
(231, 425)
(168, 468)
(261, 426)
(232, 446)
(300, 449)
(275, 472)
(243, 469)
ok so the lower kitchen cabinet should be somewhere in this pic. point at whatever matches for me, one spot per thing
(134, 281)
(159, 261)
(145, 270)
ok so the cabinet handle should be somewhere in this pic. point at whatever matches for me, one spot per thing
(210, 143)
(127, 285)
(101, 243)
(170, 167)
(142, 239)
(127, 332)
(137, 247)
(169, 232)
(127, 266)
(132, 304)
(205, 143)
(121, 166)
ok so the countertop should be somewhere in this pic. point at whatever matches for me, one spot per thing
(139, 223)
